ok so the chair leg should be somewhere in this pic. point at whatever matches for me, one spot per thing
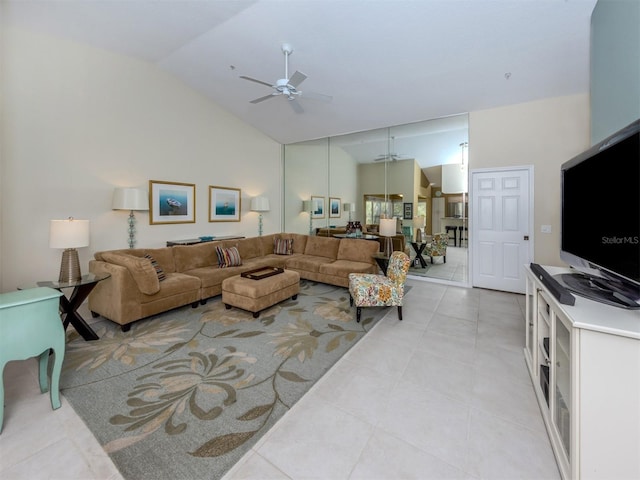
(399, 312)
(350, 301)
(358, 313)
(445, 258)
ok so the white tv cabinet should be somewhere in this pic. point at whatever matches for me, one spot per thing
(590, 355)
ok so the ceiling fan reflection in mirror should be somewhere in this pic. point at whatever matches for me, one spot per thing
(288, 87)
(390, 157)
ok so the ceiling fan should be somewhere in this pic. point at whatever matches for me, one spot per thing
(393, 157)
(288, 86)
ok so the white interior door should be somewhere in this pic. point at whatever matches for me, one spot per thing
(501, 227)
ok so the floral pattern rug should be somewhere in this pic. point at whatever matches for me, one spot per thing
(185, 394)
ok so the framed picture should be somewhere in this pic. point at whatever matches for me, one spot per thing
(172, 202)
(335, 207)
(408, 211)
(317, 207)
(224, 204)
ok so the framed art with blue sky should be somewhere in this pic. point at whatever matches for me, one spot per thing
(224, 204)
(335, 207)
(172, 202)
(317, 207)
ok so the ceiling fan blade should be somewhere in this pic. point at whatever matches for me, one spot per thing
(256, 80)
(266, 97)
(297, 78)
(317, 96)
(296, 106)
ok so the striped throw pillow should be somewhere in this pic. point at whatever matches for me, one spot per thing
(283, 246)
(228, 257)
(156, 267)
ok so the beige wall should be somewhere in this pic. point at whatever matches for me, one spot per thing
(78, 121)
(545, 134)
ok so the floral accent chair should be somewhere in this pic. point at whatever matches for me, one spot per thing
(370, 290)
(438, 247)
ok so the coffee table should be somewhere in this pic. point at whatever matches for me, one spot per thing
(262, 291)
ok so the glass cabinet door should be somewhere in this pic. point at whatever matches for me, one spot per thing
(530, 321)
(562, 386)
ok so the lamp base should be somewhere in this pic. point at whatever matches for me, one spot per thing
(388, 246)
(418, 235)
(70, 266)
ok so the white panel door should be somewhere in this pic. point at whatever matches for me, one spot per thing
(500, 228)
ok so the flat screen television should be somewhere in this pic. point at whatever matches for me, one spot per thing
(600, 224)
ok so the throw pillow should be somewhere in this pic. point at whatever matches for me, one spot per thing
(157, 268)
(283, 246)
(228, 257)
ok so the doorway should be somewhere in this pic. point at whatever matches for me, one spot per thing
(501, 229)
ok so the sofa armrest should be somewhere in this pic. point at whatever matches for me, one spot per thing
(117, 297)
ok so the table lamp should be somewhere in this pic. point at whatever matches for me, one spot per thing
(419, 223)
(308, 207)
(260, 204)
(69, 234)
(349, 207)
(388, 230)
(130, 199)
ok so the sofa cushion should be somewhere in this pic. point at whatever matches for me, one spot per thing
(342, 268)
(283, 246)
(159, 271)
(188, 257)
(307, 263)
(322, 247)
(357, 250)
(228, 257)
(249, 247)
(140, 268)
(164, 257)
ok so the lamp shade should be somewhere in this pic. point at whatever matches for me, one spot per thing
(349, 207)
(130, 199)
(306, 205)
(70, 233)
(387, 227)
(259, 204)
(419, 221)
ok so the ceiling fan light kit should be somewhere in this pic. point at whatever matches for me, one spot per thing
(288, 86)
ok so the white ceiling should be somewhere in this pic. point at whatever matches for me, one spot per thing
(384, 62)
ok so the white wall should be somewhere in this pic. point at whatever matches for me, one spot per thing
(544, 133)
(78, 121)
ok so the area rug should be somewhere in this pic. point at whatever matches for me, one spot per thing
(185, 394)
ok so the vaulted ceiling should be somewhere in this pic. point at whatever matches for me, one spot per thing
(383, 62)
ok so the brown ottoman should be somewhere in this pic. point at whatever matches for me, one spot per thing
(256, 295)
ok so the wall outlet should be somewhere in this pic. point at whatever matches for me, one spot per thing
(545, 228)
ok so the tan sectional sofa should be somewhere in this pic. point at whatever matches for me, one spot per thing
(134, 291)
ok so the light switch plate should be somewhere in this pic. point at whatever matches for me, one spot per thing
(545, 228)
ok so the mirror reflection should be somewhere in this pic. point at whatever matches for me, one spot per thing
(414, 173)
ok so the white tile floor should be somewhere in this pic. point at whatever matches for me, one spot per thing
(442, 394)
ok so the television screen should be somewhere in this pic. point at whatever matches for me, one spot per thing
(600, 225)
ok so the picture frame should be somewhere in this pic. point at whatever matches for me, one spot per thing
(225, 204)
(335, 207)
(171, 202)
(317, 207)
(408, 211)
